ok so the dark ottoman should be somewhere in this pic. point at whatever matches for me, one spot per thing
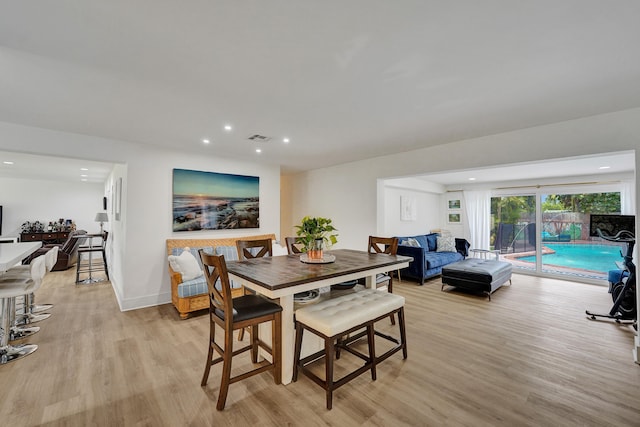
(474, 274)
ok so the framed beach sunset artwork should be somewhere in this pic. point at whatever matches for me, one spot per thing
(214, 201)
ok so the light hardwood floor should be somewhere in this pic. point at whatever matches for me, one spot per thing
(527, 358)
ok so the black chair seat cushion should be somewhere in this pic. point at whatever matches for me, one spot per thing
(250, 306)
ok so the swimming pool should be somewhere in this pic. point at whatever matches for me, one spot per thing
(581, 256)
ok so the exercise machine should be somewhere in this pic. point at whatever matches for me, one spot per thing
(623, 292)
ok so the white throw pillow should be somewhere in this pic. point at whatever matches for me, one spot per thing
(412, 242)
(185, 264)
(445, 244)
(277, 249)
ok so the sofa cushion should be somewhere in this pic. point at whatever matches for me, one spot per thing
(230, 252)
(446, 244)
(432, 241)
(438, 259)
(193, 287)
(408, 241)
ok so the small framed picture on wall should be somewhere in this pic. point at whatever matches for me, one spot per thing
(454, 204)
(408, 209)
(454, 218)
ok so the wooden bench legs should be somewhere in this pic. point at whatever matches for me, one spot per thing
(334, 344)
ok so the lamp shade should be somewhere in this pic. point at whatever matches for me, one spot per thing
(102, 217)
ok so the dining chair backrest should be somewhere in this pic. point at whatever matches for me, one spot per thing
(248, 249)
(294, 245)
(218, 285)
(383, 245)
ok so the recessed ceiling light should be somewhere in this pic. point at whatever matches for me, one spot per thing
(206, 141)
(84, 180)
(472, 179)
(258, 150)
(285, 140)
(84, 169)
(8, 163)
(604, 167)
(227, 128)
(84, 175)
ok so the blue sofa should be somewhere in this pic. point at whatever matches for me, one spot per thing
(427, 260)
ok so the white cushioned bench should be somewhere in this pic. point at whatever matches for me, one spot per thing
(334, 319)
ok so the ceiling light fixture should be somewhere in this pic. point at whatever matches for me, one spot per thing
(258, 150)
(84, 175)
(285, 140)
(206, 141)
(228, 128)
(472, 179)
(8, 163)
(84, 169)
(604, 167)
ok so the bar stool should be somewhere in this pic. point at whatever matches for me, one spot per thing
(91, 266)
(238, 313)
(32, 312)
(9, 290)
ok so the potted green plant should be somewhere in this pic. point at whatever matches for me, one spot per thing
(316, 234)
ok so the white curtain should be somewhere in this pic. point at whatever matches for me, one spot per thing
(627, 199)
(478, 212)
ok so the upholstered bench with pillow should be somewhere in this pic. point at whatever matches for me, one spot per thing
(188, 285)
(474, 274)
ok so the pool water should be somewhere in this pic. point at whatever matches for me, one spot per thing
(584, 256)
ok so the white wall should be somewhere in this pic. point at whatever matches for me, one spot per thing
(147, 204)
(138, 241)
(37, 200)
(427, 216)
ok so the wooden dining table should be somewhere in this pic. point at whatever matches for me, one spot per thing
(280, 277)
(12, 253)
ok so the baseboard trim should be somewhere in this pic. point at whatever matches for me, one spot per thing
(141, 302)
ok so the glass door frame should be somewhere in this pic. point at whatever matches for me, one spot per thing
(537, 191)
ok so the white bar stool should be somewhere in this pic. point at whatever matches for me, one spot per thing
(32, 312)
(9, 290)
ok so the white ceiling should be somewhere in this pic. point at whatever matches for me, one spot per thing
(344, 80)
(583, 166)
(29, 166)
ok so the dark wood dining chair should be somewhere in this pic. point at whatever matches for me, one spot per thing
(238, 313)
(294, 245)
(248, 249)
(384, 245)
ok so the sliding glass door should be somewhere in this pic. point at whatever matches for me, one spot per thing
(548, 232)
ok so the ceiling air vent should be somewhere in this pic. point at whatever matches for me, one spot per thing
(259, 138)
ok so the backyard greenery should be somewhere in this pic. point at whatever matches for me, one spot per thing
(565, 217)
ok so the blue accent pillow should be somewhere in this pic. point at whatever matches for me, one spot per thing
(432, 241)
